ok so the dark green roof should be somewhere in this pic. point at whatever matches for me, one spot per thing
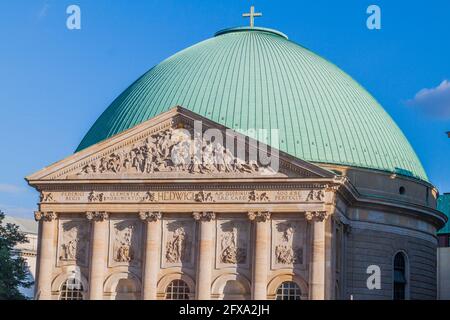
(256, 78)
(443, 205)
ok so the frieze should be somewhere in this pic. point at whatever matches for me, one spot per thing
(95, 197)
(255, 196)
(172, 150)
(46, 197)
(188, 196)
(203, 197)
(313, 195)
(149, 197)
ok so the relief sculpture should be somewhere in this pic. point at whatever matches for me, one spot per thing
(69, 250)
(95, 197)
(73, 242)
(230, 252)
(173, 150)
(176, 247)
(125, 235)
(286, 251)
(124, 252)
(315, 195)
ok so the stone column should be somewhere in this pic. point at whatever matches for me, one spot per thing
(205, 255)
(151, 254)
(99, 253)
(318, 255)
(261, 258)
(47, 254)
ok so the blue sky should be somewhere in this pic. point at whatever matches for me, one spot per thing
(54, 82)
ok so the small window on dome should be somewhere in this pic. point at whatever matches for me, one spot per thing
(402, 190)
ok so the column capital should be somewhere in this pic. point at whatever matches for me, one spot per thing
(204, 216)
(319, 216)
(260, 216)
(44, 216)
(97, 216)
(148, 216)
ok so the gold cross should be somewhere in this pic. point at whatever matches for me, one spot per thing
(252, 16)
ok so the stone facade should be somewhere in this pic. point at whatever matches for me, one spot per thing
(379, 247)
(128, 220)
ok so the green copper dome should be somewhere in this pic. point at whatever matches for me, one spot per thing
(256, 78)
(443, 205)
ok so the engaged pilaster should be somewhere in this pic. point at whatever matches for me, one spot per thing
(47, 254)
(205, 256)
(151, 254)
(318, 254)
(99, 247)
(261, 260)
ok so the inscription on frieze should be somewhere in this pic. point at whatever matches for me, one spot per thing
(202, 196)
(73, 196)
(124, 196)
(290, 195)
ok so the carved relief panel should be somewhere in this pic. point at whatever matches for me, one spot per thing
(73, 242)
(173, 150)
(178, 243)
(232, 243)
(288, 243)
(125, 242)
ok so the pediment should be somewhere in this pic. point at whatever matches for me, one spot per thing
(178, 144)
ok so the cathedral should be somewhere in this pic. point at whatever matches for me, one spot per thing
(243, 167)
